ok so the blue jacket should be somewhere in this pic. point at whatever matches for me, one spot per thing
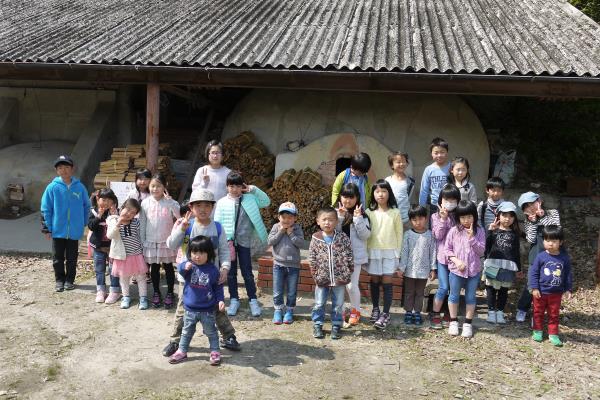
(65, 209)
(202, 291)
(551, 274)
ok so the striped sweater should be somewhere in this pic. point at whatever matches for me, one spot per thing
(252, 202)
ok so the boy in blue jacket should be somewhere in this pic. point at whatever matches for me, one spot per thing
(65, 208)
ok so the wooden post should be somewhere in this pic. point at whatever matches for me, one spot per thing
(152, 120)
(598, 263)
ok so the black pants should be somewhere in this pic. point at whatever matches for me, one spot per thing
(64, 249)
(496, 298)
(169, 274)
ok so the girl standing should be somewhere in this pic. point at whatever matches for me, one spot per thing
(126, 252)
(441, 223)
(142, 183)
(385, 244)
(353, 221)
(158, 213)
(502, 260)
(402, 184)
(465, 245)
(460, 177)
(213, 176)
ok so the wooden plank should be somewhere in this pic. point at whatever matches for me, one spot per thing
(152, 121)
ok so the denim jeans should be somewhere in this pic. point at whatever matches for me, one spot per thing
(470, 285)
(442, 275)
(209, 328)
(245, 261)
(100, 261)
(337, 303)
(64, 249)
(282, 277)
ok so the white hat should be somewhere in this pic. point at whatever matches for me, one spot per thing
(288, 207)
(202, 195)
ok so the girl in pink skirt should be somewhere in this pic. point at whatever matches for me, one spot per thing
(126, 252)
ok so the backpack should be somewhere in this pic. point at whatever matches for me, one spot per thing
(188, 232)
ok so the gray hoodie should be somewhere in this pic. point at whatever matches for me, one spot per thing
(286, 248)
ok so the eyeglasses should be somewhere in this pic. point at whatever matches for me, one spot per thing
(215, 153)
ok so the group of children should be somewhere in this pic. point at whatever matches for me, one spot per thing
(447, 236)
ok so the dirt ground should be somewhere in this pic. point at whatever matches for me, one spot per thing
(63, 345)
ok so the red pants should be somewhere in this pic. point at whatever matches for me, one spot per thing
(551, 304)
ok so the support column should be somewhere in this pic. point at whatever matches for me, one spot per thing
(152, 120)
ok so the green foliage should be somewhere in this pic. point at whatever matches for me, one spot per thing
(591, 8)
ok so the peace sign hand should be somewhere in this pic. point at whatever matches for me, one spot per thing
(470, 230)
(358, 211)
(205, 175)
(495, 225)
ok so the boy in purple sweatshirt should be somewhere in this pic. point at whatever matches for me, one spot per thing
(550, 276)
(201, 293)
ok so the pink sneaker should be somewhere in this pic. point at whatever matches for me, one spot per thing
(100, 296)
(215, 358)
(178, 357)
(112, 298)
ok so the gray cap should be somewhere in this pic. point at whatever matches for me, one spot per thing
(507, 206)
(202, 195)
(528, 197)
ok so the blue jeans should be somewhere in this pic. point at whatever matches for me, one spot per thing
(245, 261)
(337, 303)
(209, 328)
(442, 275)
(100, 262)
(281, 277)
(470, 285)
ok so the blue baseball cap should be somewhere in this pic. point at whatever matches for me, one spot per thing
(288, 207)
(507, 206)
(528, 197)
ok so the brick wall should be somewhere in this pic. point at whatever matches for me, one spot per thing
(307, 285)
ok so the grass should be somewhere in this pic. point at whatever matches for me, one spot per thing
(52, 372)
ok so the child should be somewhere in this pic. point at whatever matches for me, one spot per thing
(201, 295)
(142, 183)
(435, 175)
(360, 164)
(550, 276)
(214, 175)
(156, 221)
(331, 264)
(239, 213)
(353, 221)
(465, 245)
(65, 207)
(287, 239)
(417, 263)
(486, 211)
(441, 223)
(536, 217)
(460, 177)
(502, 260)
(385, 244)
(104, 204)
(126, 252)
(201, 206)
(402, 185)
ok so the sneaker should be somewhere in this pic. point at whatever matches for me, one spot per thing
(491, 319)
(177, 357)
(215, 358)
(446, 320)
(467, 330)
(255, 308)
(100, 296)
(278, 317)
(125, 302)
(234, 306)
(354, 317)
(335, 332)
(453, 328)
(288, 318)
(383, 321)
(69, 286)
(436, 322)
(170, 349)
(318, 331)
(143, 303)
(168, 301)
(374, 315)
(156, 299)
(112, 298)
(521, 315)
(500, 317)
(417, 320)
(60, 286)
(538, 336)
(408, 318)
(231, 343)
(555, 340)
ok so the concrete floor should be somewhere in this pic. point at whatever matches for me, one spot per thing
(23, 235)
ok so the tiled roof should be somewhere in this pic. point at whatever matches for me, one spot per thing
(523, 37)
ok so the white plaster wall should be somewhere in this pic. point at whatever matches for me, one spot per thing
(404, 122)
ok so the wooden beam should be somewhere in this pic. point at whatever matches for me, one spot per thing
(152, 121)
(177, 92)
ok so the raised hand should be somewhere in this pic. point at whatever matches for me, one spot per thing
(539, 211)
(185, 221)
(495, 225)
(205, 176)
(358, 211)
(470, 230)
(443, 213)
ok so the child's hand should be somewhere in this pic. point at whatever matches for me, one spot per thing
(185, 220)
(166, 194)
(205, 176)
(223, 276)
(443, 213)
(568, 295)
(113, 210)
(459, 264)
(247, 188)
(289, 230)
(432, 275)
(358, 211)
(221, 306)
(341, 210)
(539, 212)
(495, 225)
(399, 274)
(188, 266)
(470, 231)
(536, 293)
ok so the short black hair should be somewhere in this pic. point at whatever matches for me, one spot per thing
(449, 191)
(438, 142)
(201, 244)
(417, 210)
(466, 207)
(553, 232)
(382, 184)
(495, 182)
(395, 154)
(361, 162)
(326, 210)
(235, 178)
(131, 203)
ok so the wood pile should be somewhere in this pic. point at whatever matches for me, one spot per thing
(246, 154)
(304, 189)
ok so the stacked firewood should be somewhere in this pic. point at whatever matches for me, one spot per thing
(245, 154)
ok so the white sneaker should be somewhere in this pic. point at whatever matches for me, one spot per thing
(255, 308)
(234, 306)
(521, 315)
(491, 317)
(467, 330)
(453, 328)
(500, 317)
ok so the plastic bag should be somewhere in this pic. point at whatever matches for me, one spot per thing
(505, 166)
